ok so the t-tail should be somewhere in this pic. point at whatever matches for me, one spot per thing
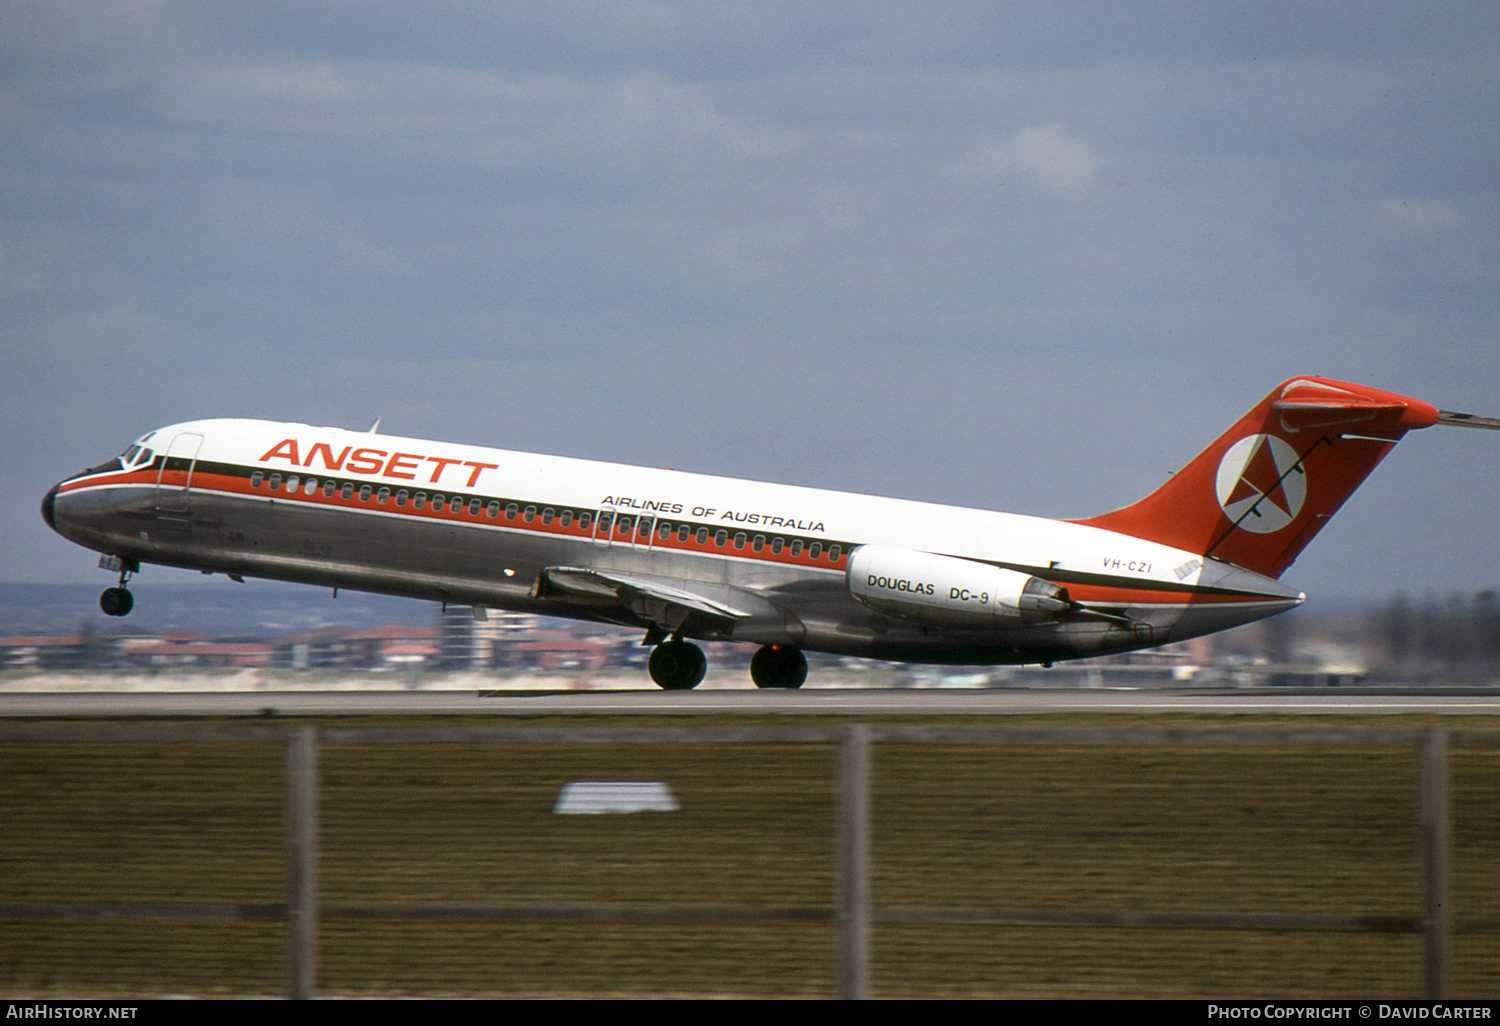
(1259, 494)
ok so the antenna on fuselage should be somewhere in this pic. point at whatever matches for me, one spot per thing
(375, 427)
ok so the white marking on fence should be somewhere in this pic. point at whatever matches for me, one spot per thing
(589, 797)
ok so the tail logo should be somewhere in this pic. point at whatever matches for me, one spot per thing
(1259, 476)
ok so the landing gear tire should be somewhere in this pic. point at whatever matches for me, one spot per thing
(778, 666)
(677, 665)
(116, 601)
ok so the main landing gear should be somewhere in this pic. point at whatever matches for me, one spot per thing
(677, 665)
(778, 666)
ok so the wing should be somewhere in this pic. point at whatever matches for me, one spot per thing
(664, 602)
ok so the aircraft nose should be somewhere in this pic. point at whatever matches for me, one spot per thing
(49, 504)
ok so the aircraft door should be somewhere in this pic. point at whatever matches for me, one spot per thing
(628, 530)
(624, 532)
(173, 483)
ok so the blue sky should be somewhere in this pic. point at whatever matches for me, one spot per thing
(1025, 257)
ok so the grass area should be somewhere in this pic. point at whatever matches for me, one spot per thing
(1327, 829)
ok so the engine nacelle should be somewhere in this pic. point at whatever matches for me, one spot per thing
(949, 591)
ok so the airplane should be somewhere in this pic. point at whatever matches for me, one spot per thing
(688, 557)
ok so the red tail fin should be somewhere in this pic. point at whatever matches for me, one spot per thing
(1260, 493)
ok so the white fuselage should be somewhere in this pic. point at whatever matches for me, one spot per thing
(747, 560)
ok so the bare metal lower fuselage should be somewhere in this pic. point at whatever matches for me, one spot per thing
(496, 565)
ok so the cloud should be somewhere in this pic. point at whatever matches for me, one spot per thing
(494, 117)
(792, 239)
(1420, 215)
(1435, 237)
(1053, 160)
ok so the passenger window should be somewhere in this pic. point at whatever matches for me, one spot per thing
(814, 550)
(419, 500)
(683, 531)
(721, 538)
(547, 515)
(256, 479)
(528, 514)
(833, 553)
(623, 526)
(310, 487)
(567, 518)
(348, 489)
(275, 482)
(702, 536)
(511, 511)
(739, 540)
(437, 502)
(383, 496)
(797, 547)
(776, 544)
(401, 497)
(606, 518)
(584, 519)
(364, 493)
(291, 483)
(456, 504)
(760, 542)
(329, 487)
(475, 505)
(645, 531)
(492, 510)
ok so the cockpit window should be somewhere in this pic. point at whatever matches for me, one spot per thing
(135, 456)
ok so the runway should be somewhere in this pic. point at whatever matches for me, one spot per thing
(808, 702)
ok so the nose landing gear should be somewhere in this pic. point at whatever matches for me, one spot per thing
(117, 601)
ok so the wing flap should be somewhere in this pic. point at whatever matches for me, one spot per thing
(650, 597)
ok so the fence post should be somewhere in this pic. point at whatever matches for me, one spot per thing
(301, 862)
(1432, 787)
(852, 867)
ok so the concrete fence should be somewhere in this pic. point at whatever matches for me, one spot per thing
(851, 914)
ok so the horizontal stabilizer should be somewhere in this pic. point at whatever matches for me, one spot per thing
(1307, 404)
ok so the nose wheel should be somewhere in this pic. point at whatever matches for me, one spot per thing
(116, 601)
